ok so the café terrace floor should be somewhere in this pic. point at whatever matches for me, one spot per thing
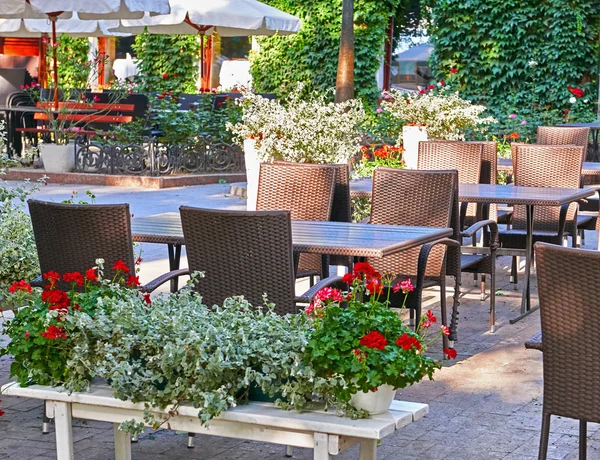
(485, 405)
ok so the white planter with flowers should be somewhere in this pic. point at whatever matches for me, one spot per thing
(374, 402)
(411, 136)
(58, 158)
(252, 171)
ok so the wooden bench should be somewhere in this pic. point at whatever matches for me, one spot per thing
(322, 431)
(102, 115)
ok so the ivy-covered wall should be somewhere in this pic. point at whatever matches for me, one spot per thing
(72, 59)
(519, 56)
(173, 56)
(311, 56)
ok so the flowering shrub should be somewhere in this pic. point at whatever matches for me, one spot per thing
(360, 341)
(445, 114)
(386, 155)
(304, 131)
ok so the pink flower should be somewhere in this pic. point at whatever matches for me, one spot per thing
(512, 115)
(524, 122)
(379, 110)
(329, 294)
(445, 330)
(405, 286)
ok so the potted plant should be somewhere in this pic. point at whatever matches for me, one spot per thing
(372, 156)
(366, 346)
(310, 130)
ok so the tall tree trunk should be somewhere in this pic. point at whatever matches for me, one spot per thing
(345, 75)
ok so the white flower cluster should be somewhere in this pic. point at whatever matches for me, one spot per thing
(445, 114)
(304, 131)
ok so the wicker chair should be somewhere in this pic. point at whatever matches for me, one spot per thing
(249, 253)
(307, 191)
(555, 135)
(543, 166)
(419, 198)
(569, 337)
(466, 157)
(71, 238)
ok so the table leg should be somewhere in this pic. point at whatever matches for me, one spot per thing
(526, 299)
(63, 429)
(321, 449)
(368, 449)
(174, 261)
(122, 443)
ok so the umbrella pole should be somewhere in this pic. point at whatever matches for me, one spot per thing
(202, 61)
(54, 63)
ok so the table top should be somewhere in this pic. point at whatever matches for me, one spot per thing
(334, 238)
(502, 194)
(589, 168)
(591, 125)
(375, 427)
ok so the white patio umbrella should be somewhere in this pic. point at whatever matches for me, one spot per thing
(74, 27)
(230, 18)
(88, 8)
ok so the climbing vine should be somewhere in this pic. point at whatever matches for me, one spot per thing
(72, 60)
(518, 57)
(167, 62)
(311, 56)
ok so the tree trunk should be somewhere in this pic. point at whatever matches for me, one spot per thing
(345, 75)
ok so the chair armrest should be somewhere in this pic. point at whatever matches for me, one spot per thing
(38, 282)
(535, 343)
(492, 224)
(332, 281)
(155, 283)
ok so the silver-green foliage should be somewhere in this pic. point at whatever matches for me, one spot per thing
(180, 350)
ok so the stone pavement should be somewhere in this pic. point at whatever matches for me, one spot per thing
(485, 405)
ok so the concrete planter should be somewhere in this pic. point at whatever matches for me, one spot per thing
(58, 158)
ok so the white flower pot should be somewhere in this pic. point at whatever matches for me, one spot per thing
(58, 158)
(374, 402)
(411, 136)
(252, 170)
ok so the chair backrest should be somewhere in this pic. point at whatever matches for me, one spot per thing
(558, 135)
(570, 317)
(241, 253)
(418, 198)
(537, 165)
(461, 156)
(306, 190)
(70, 237)
(488, 173)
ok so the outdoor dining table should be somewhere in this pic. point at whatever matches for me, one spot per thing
(317, 237)
(511, 195)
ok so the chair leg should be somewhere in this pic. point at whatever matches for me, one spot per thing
(411, 321)
(45, 421)
(493, 300)
(190, 443)
(514, 273)
(482, 296)
(443, 310)
(545, 436)
(582, 439)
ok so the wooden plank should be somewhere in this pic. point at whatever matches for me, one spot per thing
(321, 447)
(91, 118)
(368, 449)
(122, 444)
(64, 431)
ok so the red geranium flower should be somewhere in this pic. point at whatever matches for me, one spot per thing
(445, 330)
(453, 70)
(74, 277)
(56, 299)
(374, 339)
(133, 281)
(2, 412)
(52, 278)
(26, 334)
(360, 355)
(19, 286)
(405, 286)
(329, 293)
(374, 286)
(349, 278)
(406, 342)
(430, 316)
(165, 75)
(120, 266)
(146, 296)
(91, 275)
(450, 353)
(54, 332)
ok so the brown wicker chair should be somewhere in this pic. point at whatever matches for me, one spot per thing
(569, 337)
(556, 135)
(419, 198)
(466, 157)
(248, 253)
(543, 166)
(307, 191)
(71, 237)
